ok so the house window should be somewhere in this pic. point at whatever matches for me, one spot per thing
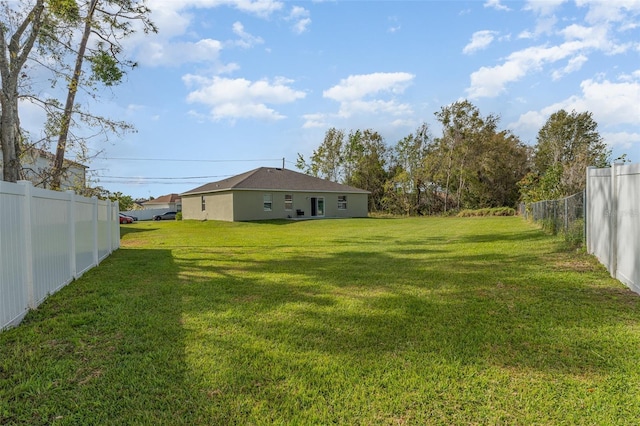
(288, 201)
(342, 202)
(203, 203)
(267, 202)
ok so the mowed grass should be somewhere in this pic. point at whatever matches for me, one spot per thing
(360, 322)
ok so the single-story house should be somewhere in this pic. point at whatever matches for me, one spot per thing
(169, 202)
(273, 193)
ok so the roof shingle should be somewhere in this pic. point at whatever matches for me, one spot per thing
(274, 179)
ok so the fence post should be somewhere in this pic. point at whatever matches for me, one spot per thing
(613, 222)
(72, 233)
(566, 215)
(587, 213)
(96, 254)
(28, 243)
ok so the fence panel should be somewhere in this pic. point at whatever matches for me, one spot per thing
(83, 211)
(13, 299)
(613, 196)
(47, 239)
(599, 214)
(556, 215)
(50, 243)
(628, 226)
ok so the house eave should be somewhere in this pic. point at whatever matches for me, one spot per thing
(323, 191)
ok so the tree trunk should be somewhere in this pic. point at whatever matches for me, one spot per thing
(9, 137)
(57, 169)
(12, 59)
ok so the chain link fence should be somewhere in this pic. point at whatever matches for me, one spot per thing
(565, 216)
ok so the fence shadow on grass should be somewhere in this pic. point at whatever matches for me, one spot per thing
(107, 349)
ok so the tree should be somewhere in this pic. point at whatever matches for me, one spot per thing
(365, 158)
(464, 132)
(503, 163)
(326, 161)
(403, 191)
(35, 30)
(567, 144)
(19, 31)
(109, 21)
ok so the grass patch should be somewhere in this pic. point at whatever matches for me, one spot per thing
(360, 321)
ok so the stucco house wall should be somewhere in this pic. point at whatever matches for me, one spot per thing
(218, 206)
(263, 194)
(249, 205)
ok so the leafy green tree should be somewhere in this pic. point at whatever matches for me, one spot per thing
(109, 21)
(503, 162)
(326, 161)
(365, 158)
(125, 202)
(457, 151)
(43, 34)
(406, 185)
(567, 144)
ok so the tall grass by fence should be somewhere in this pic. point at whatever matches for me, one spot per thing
(47, 239)
(565, 216)
(613, 225)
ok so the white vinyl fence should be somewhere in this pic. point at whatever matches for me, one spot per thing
(47, 239)
(613, 220)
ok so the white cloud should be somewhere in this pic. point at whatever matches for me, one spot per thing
(479, 40)
(495, 4)
(301, 18)
(579, 42)
(246, 40)
(574, 64)
(395, 24)
(610, 11)
(491, 81)
(355, 92)
(358, 86)
(172, 54)
(314, 121)
(262, 8)
(624, 140)
(174, 18)
(543, 7)
(241, 98)
(612, 104)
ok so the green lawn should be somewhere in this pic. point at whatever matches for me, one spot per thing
(362, 321)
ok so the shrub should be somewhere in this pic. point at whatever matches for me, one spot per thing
(179, 216)
(575, 233)
(495, 211)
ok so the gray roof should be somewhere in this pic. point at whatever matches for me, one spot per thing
(274, 179)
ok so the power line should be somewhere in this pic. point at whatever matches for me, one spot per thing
(162, 178)
(188, 160)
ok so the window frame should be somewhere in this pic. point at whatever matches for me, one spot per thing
(288, 204)
(267, 202)
(342, 202)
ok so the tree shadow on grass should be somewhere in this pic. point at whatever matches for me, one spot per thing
(295, 326)
(480, 309)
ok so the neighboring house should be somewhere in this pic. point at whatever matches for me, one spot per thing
(170, 202)
(273, 193)
(36, 167)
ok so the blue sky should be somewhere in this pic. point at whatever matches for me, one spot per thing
(230, 85)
